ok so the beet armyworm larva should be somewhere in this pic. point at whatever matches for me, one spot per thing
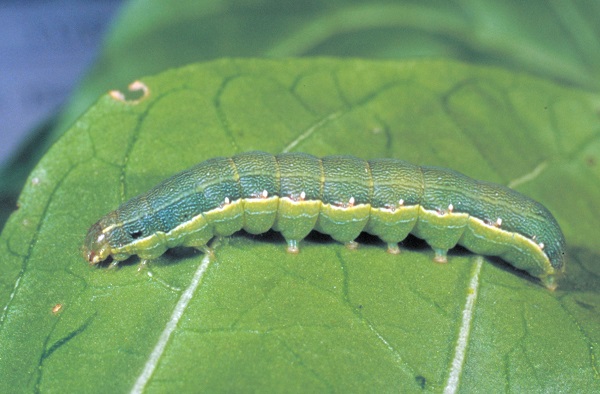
(295, 193)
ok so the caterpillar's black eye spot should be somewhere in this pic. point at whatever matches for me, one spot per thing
(136, 234)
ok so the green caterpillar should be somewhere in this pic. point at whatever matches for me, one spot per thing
(295, 193)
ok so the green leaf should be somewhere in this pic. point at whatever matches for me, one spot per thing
(561, 42)
(329, 319)
(557, 40)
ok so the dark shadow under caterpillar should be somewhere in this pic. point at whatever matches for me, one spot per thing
(295, 193)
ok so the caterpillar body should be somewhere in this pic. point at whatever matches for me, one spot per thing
(295, 193)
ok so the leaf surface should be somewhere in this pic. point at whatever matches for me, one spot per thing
(329, 319)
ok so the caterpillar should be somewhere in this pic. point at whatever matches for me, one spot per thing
(342, 196)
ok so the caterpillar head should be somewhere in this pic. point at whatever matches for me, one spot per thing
(96, 247)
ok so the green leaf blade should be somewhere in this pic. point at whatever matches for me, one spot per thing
(329, 318)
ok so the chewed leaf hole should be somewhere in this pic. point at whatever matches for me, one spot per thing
(137, 92)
